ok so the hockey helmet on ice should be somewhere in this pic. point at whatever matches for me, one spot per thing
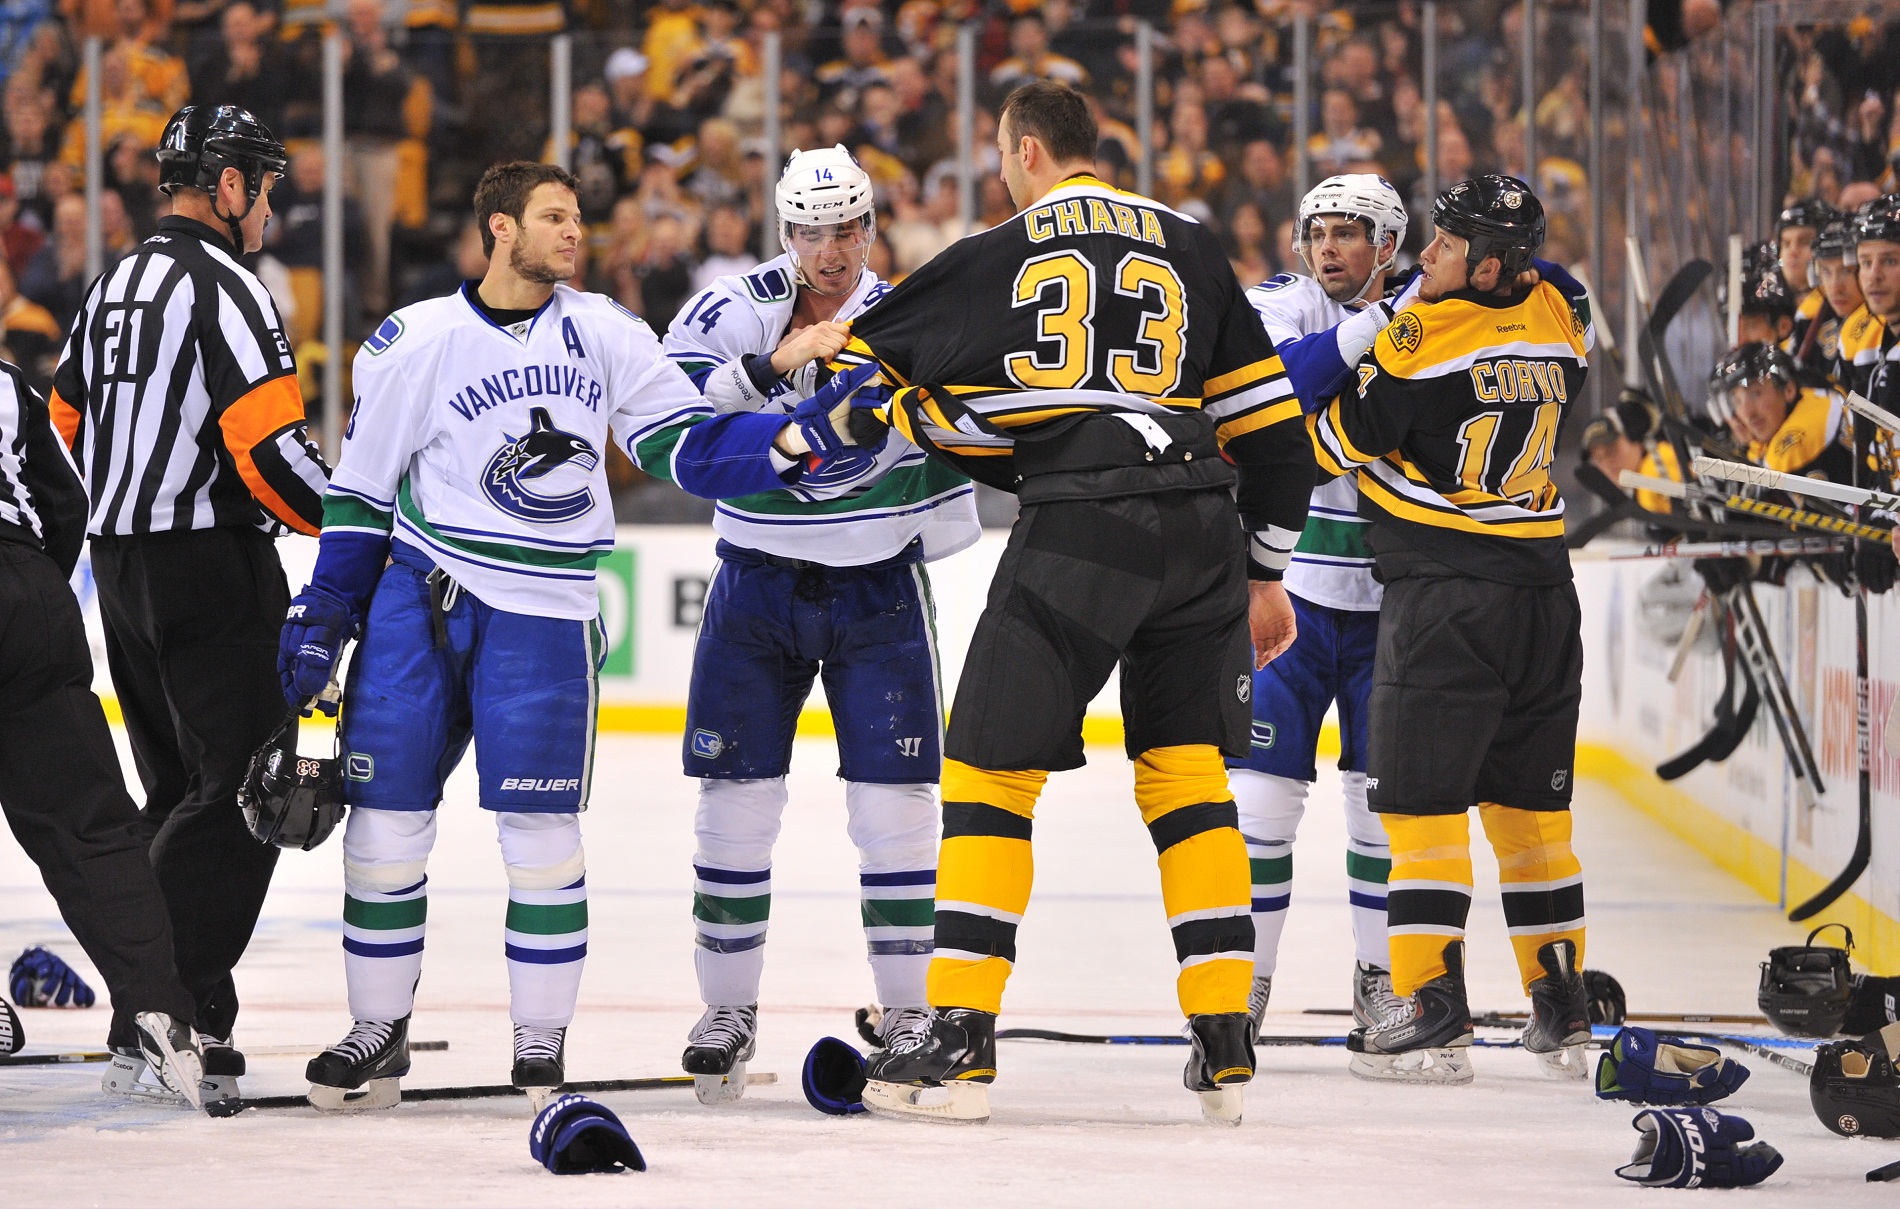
(1854, 1088)
(289, 800)
(1805, 988)
(1496, 216)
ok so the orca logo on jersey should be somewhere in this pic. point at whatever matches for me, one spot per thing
(545, 450)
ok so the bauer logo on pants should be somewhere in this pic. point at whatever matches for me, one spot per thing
(534, 785)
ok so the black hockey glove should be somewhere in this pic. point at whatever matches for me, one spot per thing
(1875, 565)
(1722, 574)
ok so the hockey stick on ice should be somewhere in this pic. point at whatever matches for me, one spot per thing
(71, 1057)
(1043, 1034)
(1514, 1019)
(1749, 1045)
(495, 1091)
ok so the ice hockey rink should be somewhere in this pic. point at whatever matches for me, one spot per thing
(1072, 1124)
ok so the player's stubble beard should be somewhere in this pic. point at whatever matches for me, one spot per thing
(542, 271)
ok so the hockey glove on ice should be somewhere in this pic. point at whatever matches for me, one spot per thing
(315, 630)
(574, 1136)
(40, 979)
(834, 1077)
(1697, 1148)
(1645, 1068)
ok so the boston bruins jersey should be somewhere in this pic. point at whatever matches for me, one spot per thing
(1455, 422)
(1868, 363)
(1810, 441)
(1095, 345)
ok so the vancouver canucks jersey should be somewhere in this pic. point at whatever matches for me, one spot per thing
(1332, 564)
(1455, 421)
(485, 446)
(1097, 344)
(865, 512)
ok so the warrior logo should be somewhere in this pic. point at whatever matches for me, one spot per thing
(545, 450)
(1407, 332)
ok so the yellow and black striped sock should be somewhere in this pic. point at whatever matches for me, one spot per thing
(984, 871)
(1205, 884)
(1428, 896)
(1541, 879)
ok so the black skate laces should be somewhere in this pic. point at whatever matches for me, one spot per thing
(724, 1028)
(365, 1038)
(533, 1042)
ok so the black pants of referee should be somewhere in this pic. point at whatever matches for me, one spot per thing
(191, 621)
(65, 799)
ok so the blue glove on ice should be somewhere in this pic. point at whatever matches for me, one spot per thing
(315, 630)
(574, 1135)
(833, 1078)
(1644, 1068)
(40, 979)
(1697, 1148)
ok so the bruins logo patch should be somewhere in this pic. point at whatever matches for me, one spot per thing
(1407, 332)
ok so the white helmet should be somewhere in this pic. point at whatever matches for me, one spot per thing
(822, 189)
(1360, 195)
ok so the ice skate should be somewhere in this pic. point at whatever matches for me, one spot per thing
(1428, 1040)
(903, 1028)
(1257, 996)
(942, 1075)
(540, 1062)
(717, 1050)
(364, 1070)
(1560, 1013)
(168, 1051)
(224, 1063)
(1221, 1064)
(128, 1074)
(1372, 997)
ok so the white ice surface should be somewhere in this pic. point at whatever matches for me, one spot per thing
(1073, 1125)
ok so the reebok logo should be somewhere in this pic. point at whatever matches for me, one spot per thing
(534, 785)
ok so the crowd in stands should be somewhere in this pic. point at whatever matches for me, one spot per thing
(668, 110)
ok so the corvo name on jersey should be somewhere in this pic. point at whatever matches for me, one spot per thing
(1099, 218)
(1517, 380)
(527, 382)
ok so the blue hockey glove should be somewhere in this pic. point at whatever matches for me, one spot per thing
(40, 979)
(315, 630)
(1697, 1148)
(834, 1077)
(824, 420)
(1644, 1068)
(574, 1136)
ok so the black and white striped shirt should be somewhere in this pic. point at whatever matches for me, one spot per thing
(178, 395)
(41, 501)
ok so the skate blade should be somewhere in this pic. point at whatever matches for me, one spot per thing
(1569, 1062)
(375, 1094)
(218, 1089)
(1447, 1066)
(123, 1075)
(954, 1103)
(1221, 1106)
(538, 1097)
(720, 1089)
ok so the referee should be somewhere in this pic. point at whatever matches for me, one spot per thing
(178, 397)
(60, 785)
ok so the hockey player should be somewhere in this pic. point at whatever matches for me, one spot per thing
(474, 467)
(1795, 234)
(1095, 356)
(1836, 295)
(819, 576)
(1478, 676)
(1869, 363)
(1792, 428)
(1348, 233)
(1768, 305)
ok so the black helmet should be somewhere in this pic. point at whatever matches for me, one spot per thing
(1835, 241)
(1853, 1086)
(1750, 363)
(289, 800)
(1808, 212)
(1499, 216)
(1764, 290)
(1879, 220)
(201, 141)
(1805, 988)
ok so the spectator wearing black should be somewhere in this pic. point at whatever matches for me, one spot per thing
(863, 62)
(240, 65)
(32, 146)
(1262, 181)
(56, 277)
(375, 87)
(665, 271)
(1236, 112)
(295, 238)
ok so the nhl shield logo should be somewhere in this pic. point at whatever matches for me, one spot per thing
(1407, 332)
(1243, 689)
(1559, 779)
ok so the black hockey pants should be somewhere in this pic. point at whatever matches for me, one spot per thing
(191, 621)
(65, 799)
